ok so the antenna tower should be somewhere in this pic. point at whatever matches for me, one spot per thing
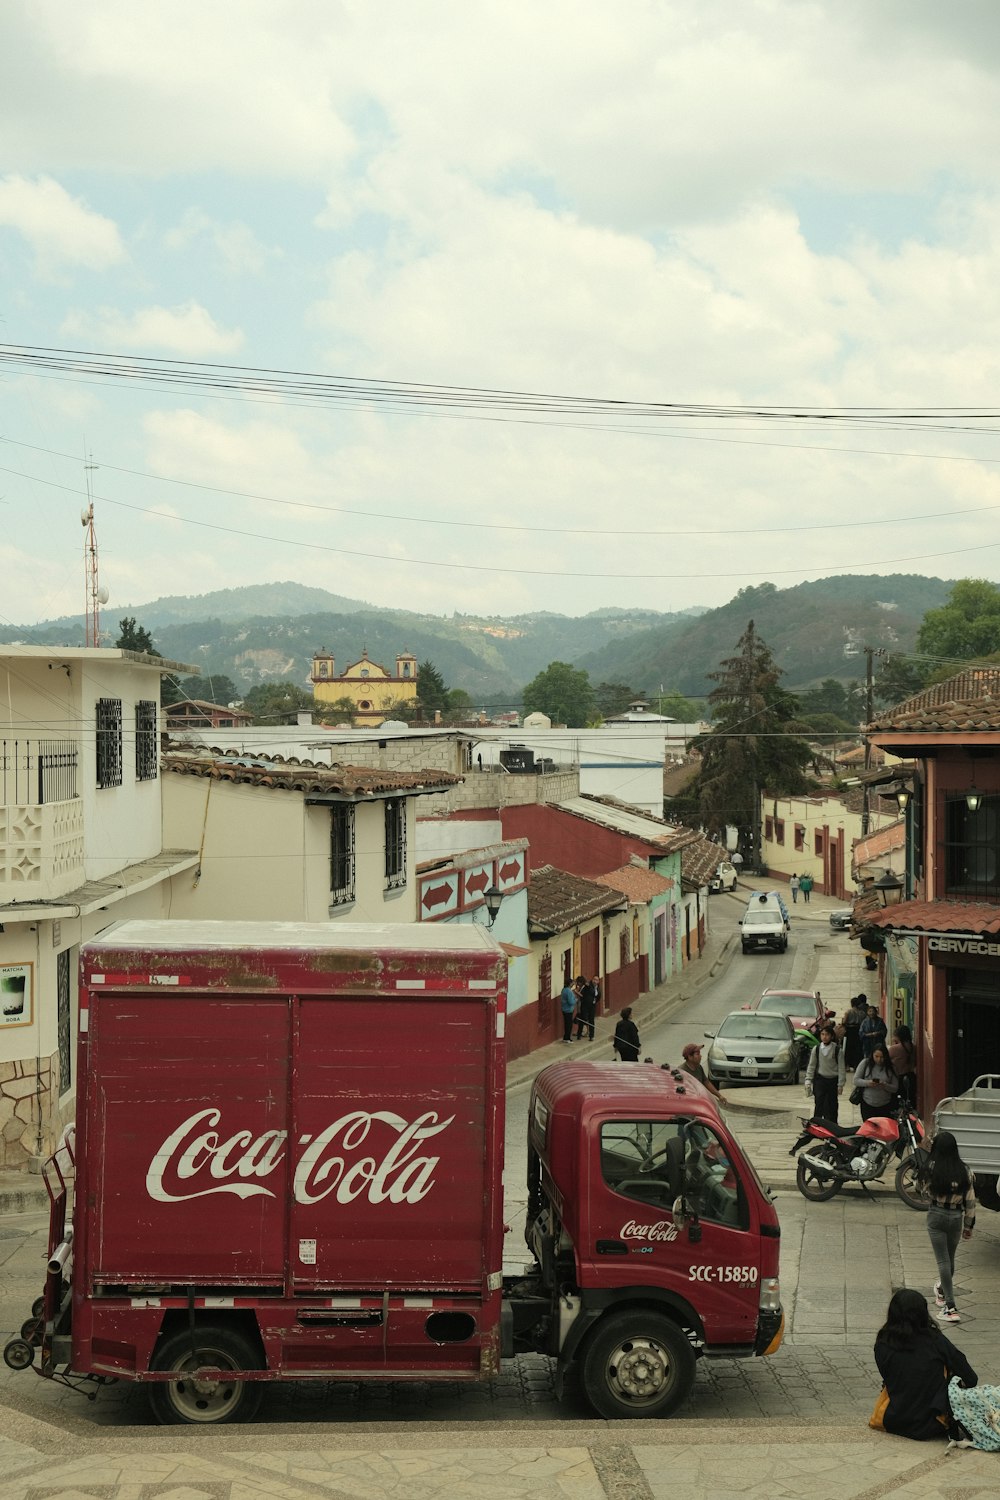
(95, 594)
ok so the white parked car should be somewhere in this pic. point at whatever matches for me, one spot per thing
(724, 878)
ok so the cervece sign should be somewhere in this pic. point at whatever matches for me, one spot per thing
(942, 949)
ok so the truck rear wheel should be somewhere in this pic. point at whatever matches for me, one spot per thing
(637, 1364)
(209, 1399)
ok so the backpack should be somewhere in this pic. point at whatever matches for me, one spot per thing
(978, 1410)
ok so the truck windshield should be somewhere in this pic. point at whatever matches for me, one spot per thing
(769, 917)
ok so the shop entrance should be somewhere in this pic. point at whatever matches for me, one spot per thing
(974, 1024)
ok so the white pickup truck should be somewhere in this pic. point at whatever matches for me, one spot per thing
(763, 927)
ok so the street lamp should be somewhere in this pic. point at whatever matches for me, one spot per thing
(903, 795)
(493, 900)
(973, 798)
(889, 887)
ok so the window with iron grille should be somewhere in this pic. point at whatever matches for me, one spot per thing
(800, 837)
(779, 830)
(972, 848)
(341, 853)
(395, 843)
(109, 742)
(546, 1003)
(145, 740)
(64, 1021)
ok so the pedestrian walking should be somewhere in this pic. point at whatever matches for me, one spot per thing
(568, 1000)
(793, 886)
(805, 886)
(916, 1361)
(692, 1065)
(903, 1056)
(826, 1075)
(626, 1042)
(872, 1031)
(849, 1032)
(590, 993)
(878, 1083)
(951, 1216)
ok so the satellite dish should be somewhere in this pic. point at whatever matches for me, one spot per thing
(84, 517)
(102, 595)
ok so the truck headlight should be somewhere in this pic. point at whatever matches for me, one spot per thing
(770, 1294)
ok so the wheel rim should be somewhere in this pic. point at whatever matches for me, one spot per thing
(812, 1181)
(914, 1186)
(639, 1371)
(205, 1399)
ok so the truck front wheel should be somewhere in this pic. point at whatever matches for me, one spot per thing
(637, 1364)
(205, 1399)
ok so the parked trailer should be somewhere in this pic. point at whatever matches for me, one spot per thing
(288, 1164)
(974, 1120)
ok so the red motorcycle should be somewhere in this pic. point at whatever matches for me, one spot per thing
(861, 1153)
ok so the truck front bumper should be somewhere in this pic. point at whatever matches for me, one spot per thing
(770, 1332)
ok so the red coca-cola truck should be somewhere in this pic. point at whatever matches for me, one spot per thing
(287, 1164)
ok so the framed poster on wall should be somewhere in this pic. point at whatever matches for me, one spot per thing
(17, 994)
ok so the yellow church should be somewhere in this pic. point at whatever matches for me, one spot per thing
(371, 688)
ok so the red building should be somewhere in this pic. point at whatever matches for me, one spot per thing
(946, 927)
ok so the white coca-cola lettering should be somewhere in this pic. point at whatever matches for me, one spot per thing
(663, 1229)
(198, 1148)
(401, 1176)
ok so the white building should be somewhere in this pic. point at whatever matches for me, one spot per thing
(81, 847)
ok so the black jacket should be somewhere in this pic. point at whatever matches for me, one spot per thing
(627, 1041)
(917, 1382)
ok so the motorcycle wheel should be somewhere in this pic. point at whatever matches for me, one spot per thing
(912, 1185)
(816, 1185)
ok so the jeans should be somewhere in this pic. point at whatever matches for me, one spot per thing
(567, 1016)
(944, 1225)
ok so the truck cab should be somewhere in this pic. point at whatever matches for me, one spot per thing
(656, 1241)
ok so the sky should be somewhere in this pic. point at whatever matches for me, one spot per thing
(744, 204)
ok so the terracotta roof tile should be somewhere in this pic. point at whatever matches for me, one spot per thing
(637, 883)
(558, 900)
(294, 775)
(878, 844)
(968, 701)
(938, 916)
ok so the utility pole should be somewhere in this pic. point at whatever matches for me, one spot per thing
(870, 653)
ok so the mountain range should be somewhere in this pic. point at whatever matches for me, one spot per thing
(268, 632)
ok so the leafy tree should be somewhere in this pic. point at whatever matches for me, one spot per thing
(273, 702)
(336, 711)
(562, 692)
(898, 677)
(133, 637)
(752, 747)
(215, 688)
(612, 698)
(845, 700)
(967, 626)
(675, 706)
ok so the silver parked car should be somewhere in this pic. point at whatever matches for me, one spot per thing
(751, 1047)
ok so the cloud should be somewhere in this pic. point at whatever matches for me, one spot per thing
(186, 330)
(60, 229)
(238, 248)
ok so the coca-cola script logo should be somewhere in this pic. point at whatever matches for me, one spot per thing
(332, 1162)
(663, 1229)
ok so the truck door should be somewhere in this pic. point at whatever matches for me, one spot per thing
(714, 1261)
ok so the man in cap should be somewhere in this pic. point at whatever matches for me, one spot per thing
(692, 1065)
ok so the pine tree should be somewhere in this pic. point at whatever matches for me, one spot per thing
(752, 748)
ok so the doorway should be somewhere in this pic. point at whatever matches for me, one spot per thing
(974, 1026)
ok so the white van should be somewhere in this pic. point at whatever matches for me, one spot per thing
(763, 926)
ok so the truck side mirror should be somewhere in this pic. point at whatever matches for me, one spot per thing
(678, 1214)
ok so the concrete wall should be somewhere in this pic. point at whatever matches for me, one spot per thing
(266, 855)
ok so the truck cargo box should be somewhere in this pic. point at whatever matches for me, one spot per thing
(323, 1112)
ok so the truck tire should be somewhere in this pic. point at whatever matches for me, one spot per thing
(814, 1185)
(205, 1401)
(637, 1364)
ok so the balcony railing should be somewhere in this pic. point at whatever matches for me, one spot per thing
(35, 772)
